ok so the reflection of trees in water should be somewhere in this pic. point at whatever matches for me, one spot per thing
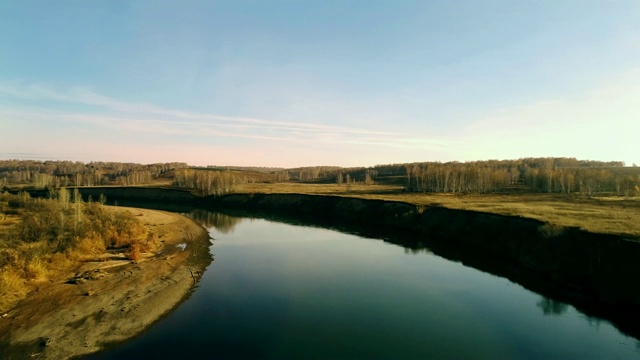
(417, 250)
(222, 222)
(593, 321)
(552, 307)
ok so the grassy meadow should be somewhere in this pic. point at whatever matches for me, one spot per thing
(600, 214)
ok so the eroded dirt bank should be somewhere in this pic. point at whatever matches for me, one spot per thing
(105, 302)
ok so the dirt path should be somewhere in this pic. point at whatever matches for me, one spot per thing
(108, 301)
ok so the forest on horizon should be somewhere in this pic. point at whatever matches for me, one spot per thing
(551, 175)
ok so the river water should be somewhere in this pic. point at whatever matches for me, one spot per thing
(276, 290)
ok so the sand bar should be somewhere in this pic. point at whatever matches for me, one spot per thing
(111, 300)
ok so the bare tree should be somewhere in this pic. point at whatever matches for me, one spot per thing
(368, 180)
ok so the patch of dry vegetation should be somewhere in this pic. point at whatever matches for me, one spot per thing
(320, 189)
(620, 217)
(609, 214)
(40, 238)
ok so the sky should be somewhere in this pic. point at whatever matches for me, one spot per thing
(326, 82)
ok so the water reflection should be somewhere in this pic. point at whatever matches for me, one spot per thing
(552, 307)
(283, 291)
(417, 250)
(222, 222)
(416, 244)
(593, 321)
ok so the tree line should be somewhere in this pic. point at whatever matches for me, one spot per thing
(208, 182)
(536, 163)
(56, 174)
(309, 173)
(552, 175)
(535, 175)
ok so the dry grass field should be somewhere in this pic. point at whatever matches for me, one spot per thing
(611, 215)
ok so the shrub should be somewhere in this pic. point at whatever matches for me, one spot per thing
(89, 246)
(134, 252)
(549, 230)
(36, 270)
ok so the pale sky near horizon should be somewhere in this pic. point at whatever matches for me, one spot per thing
(305, 83)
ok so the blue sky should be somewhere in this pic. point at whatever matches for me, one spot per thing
(303, 83)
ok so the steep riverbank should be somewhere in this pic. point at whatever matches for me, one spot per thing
(594, 271)
(106, 302)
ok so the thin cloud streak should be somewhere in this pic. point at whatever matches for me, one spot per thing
(87, 97)
(131, 119)
(298, 135)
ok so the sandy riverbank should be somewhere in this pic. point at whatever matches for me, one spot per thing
(111, 300)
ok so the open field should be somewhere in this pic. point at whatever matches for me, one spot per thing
(611, 215)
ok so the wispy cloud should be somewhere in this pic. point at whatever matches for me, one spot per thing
(87, 97)
(141, 118)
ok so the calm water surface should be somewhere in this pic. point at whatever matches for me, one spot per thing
(277, 290)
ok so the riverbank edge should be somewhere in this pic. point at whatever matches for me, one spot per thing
(593, 270)
(158, 291)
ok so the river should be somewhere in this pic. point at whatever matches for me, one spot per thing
(277, 290)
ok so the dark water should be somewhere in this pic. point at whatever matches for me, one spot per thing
(277, 290)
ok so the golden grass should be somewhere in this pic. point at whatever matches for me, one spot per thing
(609, 215)
(26, 261)
(301, 188)
(37, 270)
(88, 247)
(7, 222)
(12, 287)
